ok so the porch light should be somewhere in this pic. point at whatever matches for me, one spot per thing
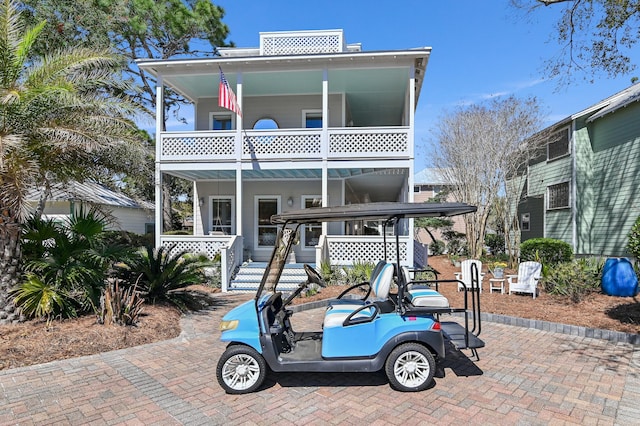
(290, 201)
(201, 201)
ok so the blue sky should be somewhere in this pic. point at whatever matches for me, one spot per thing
(481, 49)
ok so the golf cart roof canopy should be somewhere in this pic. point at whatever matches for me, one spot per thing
(372, 211)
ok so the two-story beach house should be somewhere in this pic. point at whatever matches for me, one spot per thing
(584, 187)
(322, 123)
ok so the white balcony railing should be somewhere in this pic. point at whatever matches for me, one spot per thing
(229, 247)
(304, 144)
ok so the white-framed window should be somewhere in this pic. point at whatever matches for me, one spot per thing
(312, 231)
(558, 196)
(222, 215)
(266, 232)
(525, 221)
(417, 189)
(222, 121)
(558, 145)
(312, 118)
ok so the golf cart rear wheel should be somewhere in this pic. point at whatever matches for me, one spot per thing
(410, 367)
(241, 369)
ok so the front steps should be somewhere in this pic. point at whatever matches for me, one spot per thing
(249, 276)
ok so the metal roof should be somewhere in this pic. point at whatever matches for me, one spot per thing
(90, 192)
(617, 101)
(372, 211)
(430, 176)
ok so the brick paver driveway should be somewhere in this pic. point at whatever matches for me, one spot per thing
(524, 376)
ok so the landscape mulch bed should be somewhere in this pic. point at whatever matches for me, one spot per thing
(36, 342)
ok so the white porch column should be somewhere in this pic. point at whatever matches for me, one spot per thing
(239, 199)
(239, 130)
(325, 143)
(158, 172)
(412, 125)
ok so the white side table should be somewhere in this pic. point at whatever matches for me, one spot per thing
(496, 284)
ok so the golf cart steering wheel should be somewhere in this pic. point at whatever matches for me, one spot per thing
(314, 276)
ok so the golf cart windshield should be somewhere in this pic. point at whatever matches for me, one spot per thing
(389, 212)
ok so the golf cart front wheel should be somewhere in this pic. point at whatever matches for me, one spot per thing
(410, 367)
(241, 369)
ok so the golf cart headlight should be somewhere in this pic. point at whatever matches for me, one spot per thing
(228, 325)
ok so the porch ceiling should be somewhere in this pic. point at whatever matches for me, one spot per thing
(379, 184)
(375, 96)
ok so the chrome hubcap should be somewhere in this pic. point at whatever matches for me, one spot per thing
(240, 372)
(411, 369)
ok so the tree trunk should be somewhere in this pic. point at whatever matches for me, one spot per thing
(9, 266)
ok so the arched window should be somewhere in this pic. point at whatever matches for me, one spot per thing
(265, 124)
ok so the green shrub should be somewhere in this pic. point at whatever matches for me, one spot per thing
(358, 272)
(633, 246)
(70, 260)
(547, 251)
(573, 280)
(331, 274)
(38, 299)
(495, 243)
(162, 275)
(436, 248)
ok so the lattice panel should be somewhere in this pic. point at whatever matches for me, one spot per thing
(350, 143)
(346, 252)
(210, 248)
(282, 144)
(302, 44)
(198, 146)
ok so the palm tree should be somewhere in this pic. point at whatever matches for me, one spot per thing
(58, 115)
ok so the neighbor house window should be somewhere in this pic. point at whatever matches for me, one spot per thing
(417, 188)
(221, 121)
(312, 119)
(222, 215)
(312, 231)
(558, 145)
(558, 196)
(266, 207)
(525, 221)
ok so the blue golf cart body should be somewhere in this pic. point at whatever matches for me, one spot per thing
(400, 332)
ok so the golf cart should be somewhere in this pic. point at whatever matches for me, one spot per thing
(395, 327)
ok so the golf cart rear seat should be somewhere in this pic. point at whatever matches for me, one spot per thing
(424, 296)
(421, 295)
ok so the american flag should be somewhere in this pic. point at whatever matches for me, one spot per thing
(226, 97)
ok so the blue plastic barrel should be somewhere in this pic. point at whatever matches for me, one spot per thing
(619, 278)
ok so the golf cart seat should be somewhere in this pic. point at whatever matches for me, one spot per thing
(337, 313)
(380, 283)
(424, 296)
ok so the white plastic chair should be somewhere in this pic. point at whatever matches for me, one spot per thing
(527, 279)
(465, 274)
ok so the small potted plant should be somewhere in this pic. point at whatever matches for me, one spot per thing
(497, 269)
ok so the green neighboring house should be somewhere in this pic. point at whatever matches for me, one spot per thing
(584, 187)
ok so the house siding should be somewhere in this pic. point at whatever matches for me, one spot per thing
(281, 188)
(585, 205)
(614, 203)
(126, 219)
(556, 223)
(286, 111)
